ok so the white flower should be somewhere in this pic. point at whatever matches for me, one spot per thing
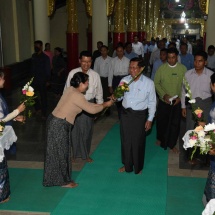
(25, 87)
(209, 127)
(30, 89)
(192, 143)
(187, 95)
(192, 101)
(201, 134)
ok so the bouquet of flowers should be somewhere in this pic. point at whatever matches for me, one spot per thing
(197, 112)
(204, 138)
(2, 125)
(28, 97)
(124, 87)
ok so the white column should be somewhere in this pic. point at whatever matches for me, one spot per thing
(210, 31)
(41, 21)
(99, 23)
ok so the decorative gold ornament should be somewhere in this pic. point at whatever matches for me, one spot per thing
(119, 16)
(72, 26)
(156, 15)
(88, 5)
(142, 7)
(51, 7)
(132, 16)
(110, 7)
(204, 4)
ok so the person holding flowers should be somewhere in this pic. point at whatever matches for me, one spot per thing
(197, 88)
(138, 109)
(6, 118)
(209, 191)
(57, 165)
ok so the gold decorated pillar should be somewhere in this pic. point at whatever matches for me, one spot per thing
(156, 14)
(210, 35)
(72, 34)
(132, 29)
(142, 14)
(149, 19)
(119, 30)
(41, 21)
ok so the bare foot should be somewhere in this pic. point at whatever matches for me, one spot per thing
(158, 142)
(122, 169)
(70, 185)
(175, 150)
(89, 160)
(6, 200)
(140, 172)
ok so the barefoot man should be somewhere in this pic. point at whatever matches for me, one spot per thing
(139, 105)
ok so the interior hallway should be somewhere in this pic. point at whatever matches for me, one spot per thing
(31, 146)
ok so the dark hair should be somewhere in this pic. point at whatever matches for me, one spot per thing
(1, 73)
(100, 42)
(85, 54)
(140, 61)
(172, 44)
(78, 78)
(127, 43)
(58, 49)
(202, 54)
(211, 47)
(47, 44)
(164, 50)
(183, 44)
(38, 42)
(103, 46)
(120, 46)
(172, 51)
(213, 78)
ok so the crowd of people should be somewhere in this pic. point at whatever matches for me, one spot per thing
(90, 88)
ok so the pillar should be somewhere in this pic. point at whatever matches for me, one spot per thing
(41, 21)
(89, 35)
(99, 22)
(142, 7)
(72, 35)
(132, 20)
(210, 35)
(119, 31)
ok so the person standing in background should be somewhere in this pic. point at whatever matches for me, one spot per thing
(82, 132)
(138, 47)
(102, 67)
(41, 71)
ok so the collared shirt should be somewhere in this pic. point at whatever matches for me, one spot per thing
(141, 95)
(187, 60)
(102, 66)
(189, 48)
(156, 65)
(138, 48)
(130, 55)
(154, 56)
(95, 87)
(168, 80)
(119, 67)
(151, 48)
(211, 61)
(199, 85)
(145, 47)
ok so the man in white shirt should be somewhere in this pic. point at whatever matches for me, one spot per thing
(82, 131)
(102, 67)
(118, 70)
(211, 58)
(138, 47)
(189, 46)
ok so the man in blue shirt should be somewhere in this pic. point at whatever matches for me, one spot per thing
(139, 105)
(159, 62)
(128, 51)
(186, 59)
